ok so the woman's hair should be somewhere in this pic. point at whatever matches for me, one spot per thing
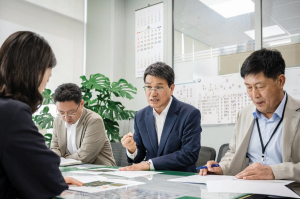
(24, 58)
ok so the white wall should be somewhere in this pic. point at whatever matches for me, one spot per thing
(59, 24)
(98, 39)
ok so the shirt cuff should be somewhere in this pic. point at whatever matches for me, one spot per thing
(151, 165)
(132, 156)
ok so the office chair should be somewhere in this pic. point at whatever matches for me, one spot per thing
(205, 154)
(223, 149)
(119, 153)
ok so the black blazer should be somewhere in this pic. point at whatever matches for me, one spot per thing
(28, 168)
(180, 139)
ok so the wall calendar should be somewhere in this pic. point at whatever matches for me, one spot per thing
(148, 37)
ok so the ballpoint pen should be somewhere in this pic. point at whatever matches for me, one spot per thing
(205, 167)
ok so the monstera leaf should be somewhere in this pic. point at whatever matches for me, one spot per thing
(123, 88)
(96, 81)
(48, 98)
(112, 128)
(45, 119)
(113, 109)
(48, 138)
(109, 110)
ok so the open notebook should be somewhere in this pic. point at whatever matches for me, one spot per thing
(68, 162)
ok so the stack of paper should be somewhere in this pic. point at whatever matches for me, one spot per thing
(229, 184)
(275, 188)
(68, 162)
(116, 172)
(198, 179)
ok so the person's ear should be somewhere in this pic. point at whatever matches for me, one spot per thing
(172, 87)
(281, 80)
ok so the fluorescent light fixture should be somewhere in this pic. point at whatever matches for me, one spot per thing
(267, 31)
(230, 8)
(280, 42)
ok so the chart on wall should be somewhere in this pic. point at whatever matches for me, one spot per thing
(148, 37)
(220, 98)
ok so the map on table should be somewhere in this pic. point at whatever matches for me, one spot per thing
(94, 184)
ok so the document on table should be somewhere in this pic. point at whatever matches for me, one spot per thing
(132, 174)
(274, 188)
(68, 162)
(116, 172)
(198, 179)
(94, 184)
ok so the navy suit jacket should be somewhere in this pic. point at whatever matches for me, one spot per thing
(28, 168)
(180, 140)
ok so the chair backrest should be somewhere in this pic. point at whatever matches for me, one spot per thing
(223, 149)
(205, 154)
(119, 153)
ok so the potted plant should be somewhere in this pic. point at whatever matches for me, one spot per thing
(97, 92)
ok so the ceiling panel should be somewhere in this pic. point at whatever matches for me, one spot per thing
(295, 31)
(284, 12)
(180, 25)
(198, 21)
(291, 24)
(181, 6)
(276, 3)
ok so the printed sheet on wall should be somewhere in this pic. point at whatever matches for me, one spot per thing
(220, 98)
(148, 37)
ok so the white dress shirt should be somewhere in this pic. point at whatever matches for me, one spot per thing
(71, 137)
(159, 120)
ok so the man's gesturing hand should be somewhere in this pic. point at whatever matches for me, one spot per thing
(128, 142)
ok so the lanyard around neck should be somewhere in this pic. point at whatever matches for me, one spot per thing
(263, 148)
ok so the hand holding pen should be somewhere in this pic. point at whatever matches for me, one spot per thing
(211, 167)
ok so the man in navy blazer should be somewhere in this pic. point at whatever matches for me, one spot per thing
(167, 132)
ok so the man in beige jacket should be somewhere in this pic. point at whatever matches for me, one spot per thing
(266, 142)
(79, 133)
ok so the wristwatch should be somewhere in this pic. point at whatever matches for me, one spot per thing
(149, 162)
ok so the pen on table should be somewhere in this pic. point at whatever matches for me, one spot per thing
(205, 167)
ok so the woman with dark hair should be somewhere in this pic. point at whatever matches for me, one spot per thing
(28, 169)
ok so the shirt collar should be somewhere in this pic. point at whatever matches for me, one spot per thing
(277, 113)
(165, 111)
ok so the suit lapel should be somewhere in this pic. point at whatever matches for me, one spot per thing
(62, 135)
(79, 128)
(150, 125)
(169, 123)
(289, 129)
(238, 163)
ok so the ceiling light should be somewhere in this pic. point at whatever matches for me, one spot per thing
(267, 31)
(230, 8)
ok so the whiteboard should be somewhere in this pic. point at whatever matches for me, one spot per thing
(148, 37)
(220, 98)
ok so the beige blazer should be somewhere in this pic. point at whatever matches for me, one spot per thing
(235, 159)
(91, 140)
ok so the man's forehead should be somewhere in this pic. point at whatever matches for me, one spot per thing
(256, 78)
(66, 106)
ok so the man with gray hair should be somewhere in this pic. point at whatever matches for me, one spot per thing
(167, 132)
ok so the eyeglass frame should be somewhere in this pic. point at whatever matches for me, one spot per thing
(64, 115)
(157, 89)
